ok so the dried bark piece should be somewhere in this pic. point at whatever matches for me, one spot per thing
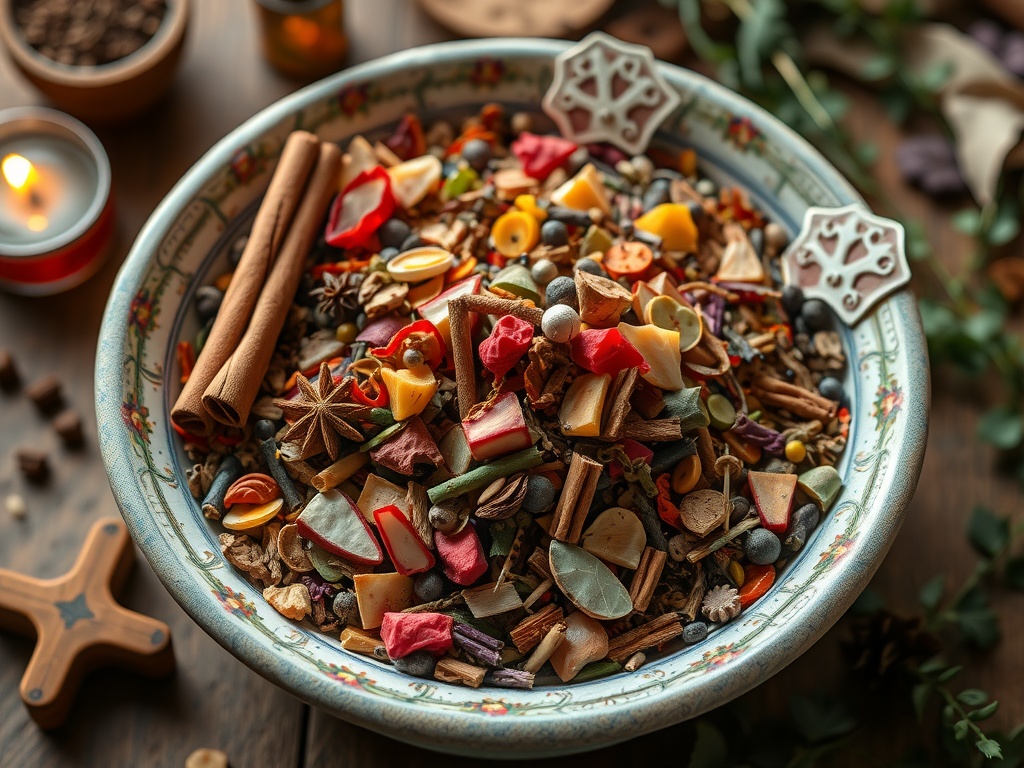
(650, 635)
(651, 430)
(721, 604)
(418, 504)
(246, 554)
(491, 599)
(646, 578)
(548, 374)
(617, 403)
(449, 670)
(577, 494)
(602, 301)
(528, 632)
(292, 602)
(546, 647)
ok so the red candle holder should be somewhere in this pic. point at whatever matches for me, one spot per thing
(56, 209)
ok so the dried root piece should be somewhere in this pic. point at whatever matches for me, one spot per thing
(292, 602)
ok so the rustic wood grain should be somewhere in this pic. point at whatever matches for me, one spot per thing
(213, 700)
(78, 624)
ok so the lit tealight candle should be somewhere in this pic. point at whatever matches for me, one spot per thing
(55, 214)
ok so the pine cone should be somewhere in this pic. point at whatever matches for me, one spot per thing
(882, 644)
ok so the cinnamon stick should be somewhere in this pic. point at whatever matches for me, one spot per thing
(794, 398)
(268, 232)
(232, 392)
(574, 503)
(462, 342)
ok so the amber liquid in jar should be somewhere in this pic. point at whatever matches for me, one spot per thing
(303, 38)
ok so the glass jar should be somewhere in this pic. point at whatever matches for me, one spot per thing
(303, 38)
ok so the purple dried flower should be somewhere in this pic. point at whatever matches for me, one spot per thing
(713, 307)
(477, 644)
(929, 162)
(318, 588)
(768, 439)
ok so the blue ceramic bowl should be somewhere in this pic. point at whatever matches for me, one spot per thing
(184, 245)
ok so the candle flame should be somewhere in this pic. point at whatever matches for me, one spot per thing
(18, 171)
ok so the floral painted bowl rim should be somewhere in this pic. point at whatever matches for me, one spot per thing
(631, 704)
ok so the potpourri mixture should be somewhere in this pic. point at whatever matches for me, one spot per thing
(522, 409)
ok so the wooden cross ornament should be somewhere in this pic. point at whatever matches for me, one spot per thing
(79, 626)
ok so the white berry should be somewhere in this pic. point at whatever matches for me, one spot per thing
(560, 323)
(544, 271)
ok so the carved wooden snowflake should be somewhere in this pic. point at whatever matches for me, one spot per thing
(608, 90)
(847, 257)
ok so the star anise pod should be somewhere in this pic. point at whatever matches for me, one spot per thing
(339, 294)
(321, 414)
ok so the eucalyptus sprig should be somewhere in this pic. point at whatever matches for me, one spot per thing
(967, 324)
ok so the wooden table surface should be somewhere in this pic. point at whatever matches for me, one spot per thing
(215, 701)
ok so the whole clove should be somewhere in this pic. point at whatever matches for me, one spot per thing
(213, 504)
(265, 432)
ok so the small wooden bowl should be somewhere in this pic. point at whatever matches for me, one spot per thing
(107, 92)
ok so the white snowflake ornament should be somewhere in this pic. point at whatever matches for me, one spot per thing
(847, 257)
(608, 90)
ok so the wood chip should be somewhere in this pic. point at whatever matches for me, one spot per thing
(528, 632)
(602, 301)
(651, 430)
(646, 578)
(574, 503)
(449, 670)
(548, 645)
(491, 599)
(419, 509)
(538, 563)
(650, 635)
(691, 608)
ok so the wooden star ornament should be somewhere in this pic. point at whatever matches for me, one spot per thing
(79, 626)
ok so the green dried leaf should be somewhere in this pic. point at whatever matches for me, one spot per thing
(983, 713)
(972, 697)
(587, 582)
(960, 729)
(989, 748)
(949, 674)
(932, 666)
(931, 593)
(879, 67)
(967, 221)
(988, 533)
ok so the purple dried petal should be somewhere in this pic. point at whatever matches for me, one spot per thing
(768, 439)
(713, 307)
(510, 678)
(1013, 53)
(379, 332)
(942, 180)
(987, 33)
(318, 588)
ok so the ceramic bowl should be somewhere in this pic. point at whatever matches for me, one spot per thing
(184, 246)
(109, 92)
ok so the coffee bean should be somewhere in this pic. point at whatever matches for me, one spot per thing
(68, 424)
(33, 465)
(46, 394)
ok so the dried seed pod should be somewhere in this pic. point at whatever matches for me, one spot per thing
(293, 553)
(505, 502)
(254, 488)
(721, 604)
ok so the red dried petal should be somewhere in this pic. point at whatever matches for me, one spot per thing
(506, 345)
(405, 633)
(605, 350)
(540, 155)
(342, 231)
